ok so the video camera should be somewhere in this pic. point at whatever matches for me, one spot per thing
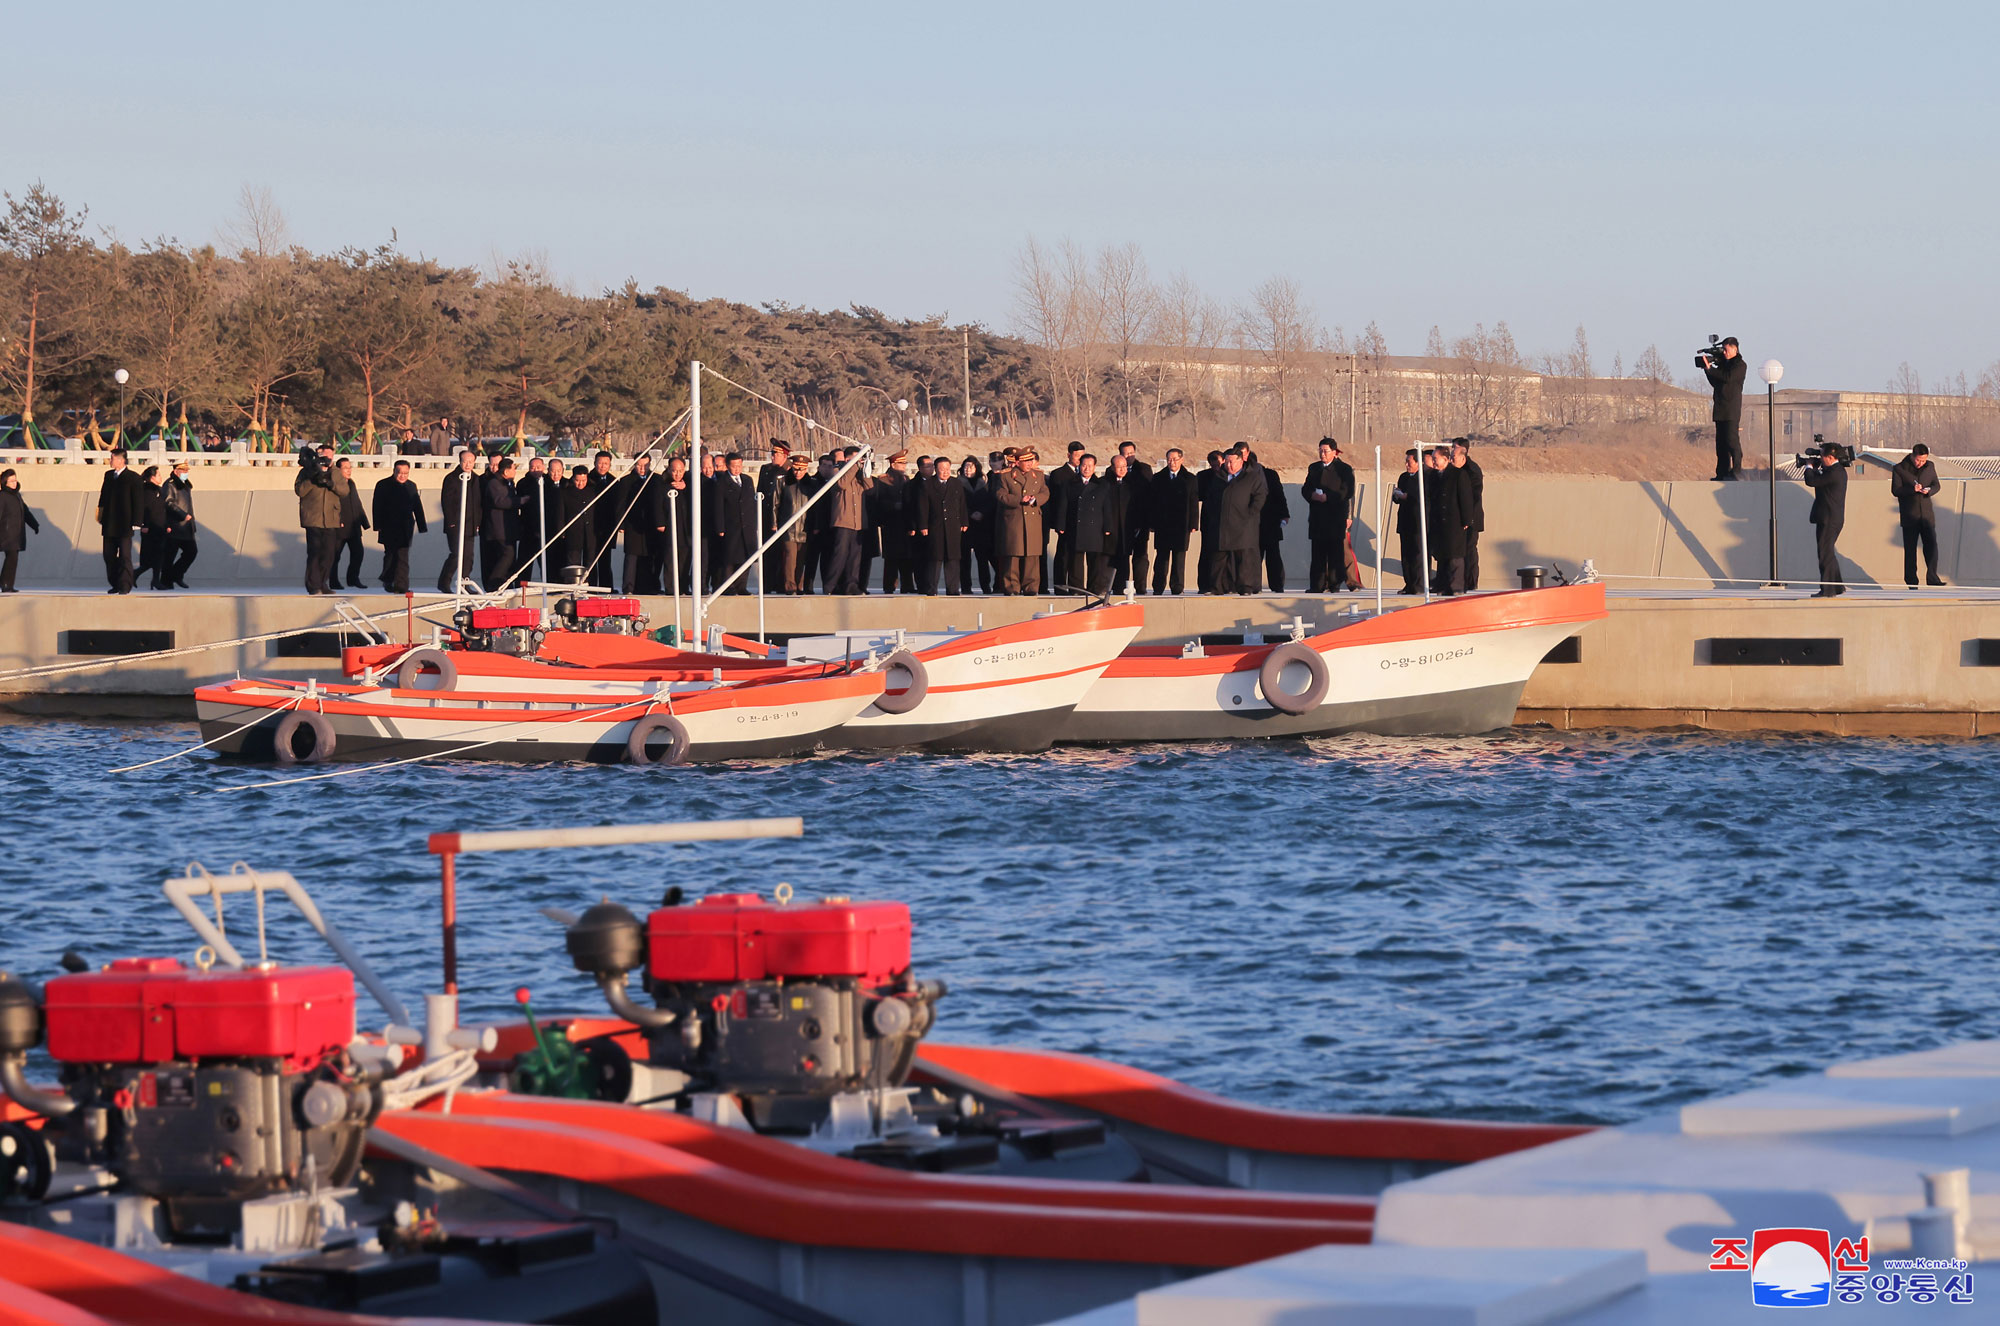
(1710, 354)
(1842, 455)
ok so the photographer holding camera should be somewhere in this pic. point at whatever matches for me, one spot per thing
(1723, 364)
(1826, 474)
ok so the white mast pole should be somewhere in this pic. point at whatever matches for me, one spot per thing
(1379, 534)
(694, 494)
(1423, 517)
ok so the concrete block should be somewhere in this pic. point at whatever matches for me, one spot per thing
(1883, 1106)
(1971, 1059)
(1399, 1286)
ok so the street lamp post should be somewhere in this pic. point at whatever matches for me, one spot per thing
(121, 377)
(903, 416)
(1771, 370)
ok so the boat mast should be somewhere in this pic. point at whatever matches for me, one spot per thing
(694, 492)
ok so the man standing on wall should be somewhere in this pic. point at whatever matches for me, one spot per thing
(461, 489)
(1914, 482)
(1328, 492)
(117, 517)
(1174, 514)
(1828, 480)
(1726, 376)
(399, 518)
(1471, 506)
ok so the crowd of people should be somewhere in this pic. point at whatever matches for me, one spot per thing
(936, 526)
(1440, 513)
(157, 508)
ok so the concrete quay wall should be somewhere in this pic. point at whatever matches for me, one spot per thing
(1905, 665)
(1636, 533)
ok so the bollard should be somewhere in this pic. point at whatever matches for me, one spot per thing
(1934, 1233)
(1531, 576)
(1951, 1190)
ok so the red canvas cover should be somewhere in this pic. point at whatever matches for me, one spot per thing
(151, 1010)
(741, 937)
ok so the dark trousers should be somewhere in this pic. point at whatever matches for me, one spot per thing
(1471, 560)
(1450, 577)
(1413, 561)
(496, 562)
(1274, 566)
(899, 573)
(843, 561)
(943, 574)
(1728, 449)
(1139, 563)
(452, 544)
(1020, 575)
(118, 561)
(396, 569)
(1829, 563)
(1235, 571)
(980, 559)
(1914, 533)
(642, 570)
(352, 542)
(1090, 573)
(8, 562)
(1169, 570)
(177, 557)
(152, 556)
(322, 550)
(1204, 565)
(1327, 571)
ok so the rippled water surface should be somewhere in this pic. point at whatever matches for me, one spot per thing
(1532, 926)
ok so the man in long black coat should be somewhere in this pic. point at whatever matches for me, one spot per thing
(1239, 528)
(117, 516)
(579, 544)
(1471, 506)
(735, 523)
(398, 509)
(536, 493)
(639, 503)
(773, 475)
(943, 520)
(461, 490)
(499, 526)
(1828, 480)
(1139, 517)
(1208, 488)
(1329, 496)
(1444, 523)
(1726, 375)
(1277, 515)
(1130, 506)
(1913, 483)
(891, 508)
(1088, 523)
(1409, 524)
(603, 522)
(1173, 512)
(1060, 480)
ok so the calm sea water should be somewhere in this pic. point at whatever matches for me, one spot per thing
(1581, 927)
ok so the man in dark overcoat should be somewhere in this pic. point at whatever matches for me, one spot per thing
(398, 510)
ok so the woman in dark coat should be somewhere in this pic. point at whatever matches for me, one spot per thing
(15, 522)
(153, 526)
(180, 551)
(979, 508)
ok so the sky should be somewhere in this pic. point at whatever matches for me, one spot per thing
(1816, 179)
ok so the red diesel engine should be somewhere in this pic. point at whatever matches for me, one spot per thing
(200, 1088)
(766, 1000)
(516, 631)
(600, 616)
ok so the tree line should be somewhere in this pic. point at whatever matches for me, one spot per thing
(256, 337)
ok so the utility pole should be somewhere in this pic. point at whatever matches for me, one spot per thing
(965, 347)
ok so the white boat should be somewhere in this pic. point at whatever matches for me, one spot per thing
(1454, 666)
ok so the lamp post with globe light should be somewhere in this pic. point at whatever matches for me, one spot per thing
(903, 416)
(121, 377)
(1771, 370)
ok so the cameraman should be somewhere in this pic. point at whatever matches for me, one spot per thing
(1726, 376)
(1826, 475)
(1914, 482)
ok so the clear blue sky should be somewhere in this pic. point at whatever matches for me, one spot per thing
(1817, 179)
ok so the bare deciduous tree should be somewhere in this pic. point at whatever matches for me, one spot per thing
(1278, 325)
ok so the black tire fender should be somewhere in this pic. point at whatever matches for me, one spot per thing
(411, 670)
(920, 683)
(288, 731)
(1272, 674)
(676, 732)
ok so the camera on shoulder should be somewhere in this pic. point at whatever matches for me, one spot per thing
(1824, 453)
(1711, 354)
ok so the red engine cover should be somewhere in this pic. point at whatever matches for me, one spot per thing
(607, 607)
(152, 1010)
(740, 937)
(502, 619)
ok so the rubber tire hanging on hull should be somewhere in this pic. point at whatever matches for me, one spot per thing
(920, 683)
(676, 733)
(411, 670)
(1272, 673)
(288, 729)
